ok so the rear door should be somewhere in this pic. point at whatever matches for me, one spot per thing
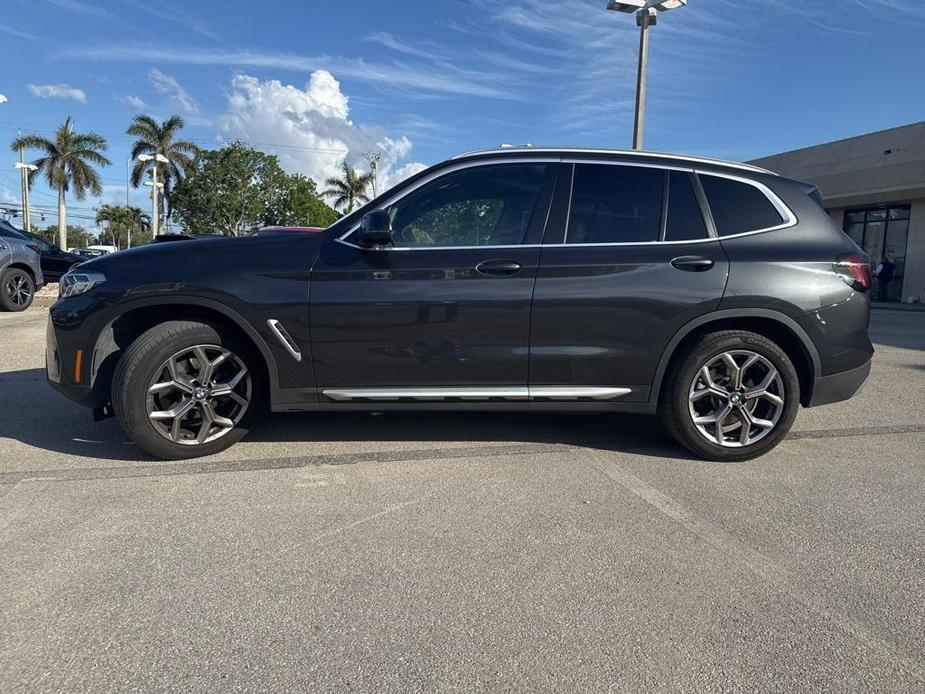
(628, 259)
(445, 310)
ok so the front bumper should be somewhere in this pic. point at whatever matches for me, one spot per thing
(62, 353)
(840, 386)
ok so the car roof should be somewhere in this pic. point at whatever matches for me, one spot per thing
(520, 150)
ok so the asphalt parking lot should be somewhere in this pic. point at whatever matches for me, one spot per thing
(464, 552)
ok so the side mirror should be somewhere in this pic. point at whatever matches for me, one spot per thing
(375, 229)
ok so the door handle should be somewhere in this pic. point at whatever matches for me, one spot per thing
(693, 263)
(498, 268)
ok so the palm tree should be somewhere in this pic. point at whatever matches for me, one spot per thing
(349, 189)
(160, 138)
(67, 165)
(121, 221)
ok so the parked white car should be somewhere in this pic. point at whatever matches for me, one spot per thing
(105, 249)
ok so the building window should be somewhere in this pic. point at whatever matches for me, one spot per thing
(882, 232)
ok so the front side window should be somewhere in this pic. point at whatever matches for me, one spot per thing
(738, 207)
(615, 204)
(489, 205)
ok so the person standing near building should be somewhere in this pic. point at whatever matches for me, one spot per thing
(885, 271)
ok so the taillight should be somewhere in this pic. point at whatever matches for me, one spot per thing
(854, 269)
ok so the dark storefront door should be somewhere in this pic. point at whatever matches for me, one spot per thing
(882, 232)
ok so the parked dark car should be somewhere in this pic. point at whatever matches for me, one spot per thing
(86, 253)
(20, 269)
(719, 296)
(55, 262)
(270, 231)
(167, 238)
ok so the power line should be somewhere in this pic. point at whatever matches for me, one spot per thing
(199, 141)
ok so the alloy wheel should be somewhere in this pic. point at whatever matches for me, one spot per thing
(198, 395)
(19, 289)
(736, 399)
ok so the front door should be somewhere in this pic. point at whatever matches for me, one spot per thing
(444, 310)
(630, 263)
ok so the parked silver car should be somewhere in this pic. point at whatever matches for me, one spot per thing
(20, 269)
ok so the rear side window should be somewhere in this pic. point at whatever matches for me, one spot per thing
(738, 207)
(615, 204)
(685, 218)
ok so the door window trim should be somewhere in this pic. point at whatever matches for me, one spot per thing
(439, 174)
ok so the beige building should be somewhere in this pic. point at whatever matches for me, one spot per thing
(874, 187)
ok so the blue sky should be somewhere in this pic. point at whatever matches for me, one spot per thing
(420, 81)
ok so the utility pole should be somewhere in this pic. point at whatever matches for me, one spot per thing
(128, 240)
(25, 190)
(155, 217)
(645, 18)
(24, 170)
(155, 186)
(373, 159)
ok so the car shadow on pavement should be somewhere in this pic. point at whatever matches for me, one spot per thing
(35, 415)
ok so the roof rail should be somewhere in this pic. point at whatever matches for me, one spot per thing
(622, 152)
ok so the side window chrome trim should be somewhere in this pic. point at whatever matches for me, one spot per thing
(633, 164)
(790, 219)
(439, 174)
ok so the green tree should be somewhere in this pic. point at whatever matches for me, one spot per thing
(161, 138)
(348, 190)
(303, 206)
(237, 189)
(77, 236)
(67, 165)
(124, 225)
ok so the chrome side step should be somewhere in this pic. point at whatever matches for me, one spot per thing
(285, 339)
(477, 394)
(346, 394)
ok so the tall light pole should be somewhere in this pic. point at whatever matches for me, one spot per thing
(646, 15)
(24, 170)
(155, 186)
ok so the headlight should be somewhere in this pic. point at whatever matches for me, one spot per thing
(74, 283)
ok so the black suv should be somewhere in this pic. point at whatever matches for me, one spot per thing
(719, 296)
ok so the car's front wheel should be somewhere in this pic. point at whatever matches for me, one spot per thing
(17, 289)
(186, 389)
(731, 396)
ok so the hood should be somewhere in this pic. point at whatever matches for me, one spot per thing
(201, 257)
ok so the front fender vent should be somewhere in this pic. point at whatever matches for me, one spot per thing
(285, 339)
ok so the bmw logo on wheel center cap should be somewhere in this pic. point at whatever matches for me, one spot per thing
(200, 393)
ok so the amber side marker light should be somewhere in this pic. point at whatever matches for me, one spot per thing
(78, 365)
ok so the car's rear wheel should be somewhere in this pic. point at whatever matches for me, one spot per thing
(185, 389)
(731, 396)
(17, 289)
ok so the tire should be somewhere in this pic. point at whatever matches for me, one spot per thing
(691, 396)
(17, 289)
(162, 373)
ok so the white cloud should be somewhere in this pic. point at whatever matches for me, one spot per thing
(3, 99)
(310, 129)
(19, 34)
(136, 102)
(57, 91)
(414, 79)
(169, 87)
(7, 197)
